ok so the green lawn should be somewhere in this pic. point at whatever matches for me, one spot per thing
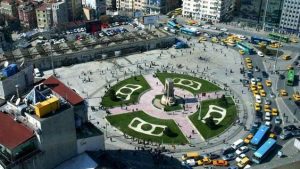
(107, 100)
(206, 86)
(121, 122)
(207, 132)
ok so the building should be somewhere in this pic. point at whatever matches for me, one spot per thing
(210, 10)
(27, 14)
(59, 12)
(111, 4)
(89, 13)
(9, 7)
(290, 17)
(2, 40)
(130, 5)
(44, 16)
(52, 124)
(261, 13)
(99, 7)
(161, 6)
(74, 9)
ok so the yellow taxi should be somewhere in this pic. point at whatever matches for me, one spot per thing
(249, 66)
(267, 108)
(286, 57)
(259, 85)
(214, 40)
(283, 92)
(274, 112)
(268, 83)
(294, 40)
(248, 138)
(262, 93)
(257, 107)
(296, 96)
(253, 87)
(199, 162)
(255, 92)
(272, 135)
(242, 52)
(202, 39)
(206, 161)
(290, 67)
(248, 60)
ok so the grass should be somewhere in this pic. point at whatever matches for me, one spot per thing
(207, 132)
(107, 100)
(205, 87)
(123, 120)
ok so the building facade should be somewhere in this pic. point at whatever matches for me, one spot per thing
(59, 12)
(208, 10)
(9, 7)
(27, 14)
(161, 6)
(99, 7)
(44, 16)
(290, 17)
(75, 9)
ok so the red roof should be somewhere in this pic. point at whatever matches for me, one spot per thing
(63, 90)
(13, 133)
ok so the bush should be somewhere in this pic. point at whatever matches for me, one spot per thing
(210, 123)
(112, 95)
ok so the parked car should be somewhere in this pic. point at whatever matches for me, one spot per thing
(264, 74)
(290, 127)
(296, 133)
(241, 150)
(286, 135)
(277, 120)
(229, 157)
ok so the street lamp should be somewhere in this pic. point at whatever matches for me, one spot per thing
(51, 55)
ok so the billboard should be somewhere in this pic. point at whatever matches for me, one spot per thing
(93, 26)
(150, 19)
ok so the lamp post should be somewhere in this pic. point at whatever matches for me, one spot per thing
(265, 14)
(51, 55)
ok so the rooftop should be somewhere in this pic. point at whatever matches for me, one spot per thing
(13, 133)
(64, 91)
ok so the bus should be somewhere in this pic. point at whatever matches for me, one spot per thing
(290, 77)
(264, 150)
(190, 155)
(256, 40)
(190, 31)
(259, 137)
(276, 36)
(173, 24)
(246, 48)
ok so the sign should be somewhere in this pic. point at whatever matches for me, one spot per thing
(138, 14)
(150, 19)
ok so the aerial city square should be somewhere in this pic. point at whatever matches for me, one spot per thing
(152, 84)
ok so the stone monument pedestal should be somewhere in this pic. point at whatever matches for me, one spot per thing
(168, 96)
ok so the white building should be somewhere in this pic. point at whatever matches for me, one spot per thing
(208, 10)
(290, 16)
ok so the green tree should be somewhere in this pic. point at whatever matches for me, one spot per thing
(224, 102)
(168, 132)
(210, 122)
(112, 95)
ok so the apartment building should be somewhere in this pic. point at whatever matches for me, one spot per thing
(44, 16)
(75, 9)
(59, 12)
(208, 10)
(9, 7)
(131, 5)
(27, 14)
(99, 7)
(290, 17)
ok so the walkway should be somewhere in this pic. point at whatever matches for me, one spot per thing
(180, 117)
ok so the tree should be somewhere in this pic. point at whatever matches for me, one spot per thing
(224, 102)
(210, 122)
(168, 132)
(112, 95)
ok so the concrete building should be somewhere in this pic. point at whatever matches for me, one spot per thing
(131, 5)
(74, 9)
(99, 6)
(27, 14)
(9, 7)
(53, 134)
(161, 6)
(59, 12)
(111, 4)
(44, 16)
(209, 10)
(89, 13)
(290, 17)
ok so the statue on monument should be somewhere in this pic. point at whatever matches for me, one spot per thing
(168, 97)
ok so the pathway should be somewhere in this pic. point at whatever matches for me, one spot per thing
(180, 117)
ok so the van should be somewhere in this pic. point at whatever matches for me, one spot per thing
(37, 72)
(237, 144)
(190, 155)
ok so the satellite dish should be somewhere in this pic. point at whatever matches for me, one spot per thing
(6, 63)
(18, 101)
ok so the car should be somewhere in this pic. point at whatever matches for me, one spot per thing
(213, 156)
(296, 133)
(253, 87)
(290, 67)
(257, 99)
(241, 150)
(255, 124)
(290, 127)
(286, 57)
(255, 92)
(283, 92)
(242, 52)
(274, 112)
(262, 93)
(201, 38)
(238, 159)
(248, 60)
(228, 150)
(277, 120)
(190, 162)
(268, 116)
(248, 138)
(268, 83)
(258, 79)
(199, 162)
(296, 96)
(249, 66)
(257, 107)
(267, 101)
(253, 81)
(272, 135)
(220, 163)
(264, 74)
(259, 85)
(295, 63)
(259, 53)
(206, 161)
(229, 157)
(267, 108)
(268, 123)
(286, 135)
(256, 69)
(223, 29)
(272, 95)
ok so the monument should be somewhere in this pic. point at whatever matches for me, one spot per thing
(168, 97)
